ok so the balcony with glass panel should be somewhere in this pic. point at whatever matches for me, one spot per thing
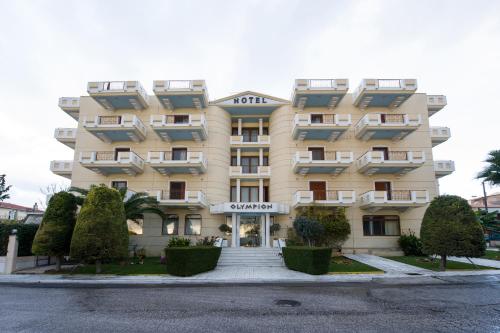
(66, 136)
(443, 168)
(115, 95)
(435, 103)
(177, 94)
(325, 198)
(318, 161)
(70, 105)
(386, 161)
(62, 168)
(383, 93)
(178, 161)
(180, 127)
(319, 92)
(439, 135)
(385, 126)
(320, 126)
(112, 162)
(126, 127)
(393, 199)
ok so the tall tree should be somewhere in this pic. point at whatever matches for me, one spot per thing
(450, 228)
(4, 189)
(491, 173)
(101, 229)
(53, 238)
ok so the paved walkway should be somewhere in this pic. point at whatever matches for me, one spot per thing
(388, 266)
(478, 261)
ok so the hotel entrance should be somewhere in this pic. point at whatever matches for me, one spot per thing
(250, 231)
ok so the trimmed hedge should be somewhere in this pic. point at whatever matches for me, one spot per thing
(187, 261)
(25, 235)
(311, 260)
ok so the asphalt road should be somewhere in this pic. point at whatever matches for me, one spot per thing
(455, 305)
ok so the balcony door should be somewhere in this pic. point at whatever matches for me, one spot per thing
(318, 189)
(179, 154)
(316, 118)
(249, 164)
(384, 186)
(318, 153)
(250, 134)
(384, 150)
(120, 150)
(177, 190)
(181, 119)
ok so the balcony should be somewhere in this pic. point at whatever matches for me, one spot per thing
(240, 141)
(176, 94)
(390, 162)
(394, 200)
(383, 93)
(188, 199)
(435, 103)
(112, 162)
(320, 126)
(180, 127)
(333, 198)
(439, 135)
(70, 105)
(332, 162)
(319, 93)
(66, 136)
(381, 126)
(443, 168)
(62, 168)
(248, 172)
(113, 95)
(166, 163)
(116, 128)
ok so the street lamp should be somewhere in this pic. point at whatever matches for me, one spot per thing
(485, 199)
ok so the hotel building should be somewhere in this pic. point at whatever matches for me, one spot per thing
(252, 160)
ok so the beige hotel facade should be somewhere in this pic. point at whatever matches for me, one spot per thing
(252, 160)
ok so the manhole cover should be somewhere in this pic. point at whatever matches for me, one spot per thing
(413, 274)
(287, 303)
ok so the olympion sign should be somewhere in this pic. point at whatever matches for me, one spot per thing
(249, 207)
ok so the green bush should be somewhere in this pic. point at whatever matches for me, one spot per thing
(25, 235)
(311, 260)
(309, 229)
(187, 261)
(178, 242)
(411, 245)
(101, 231)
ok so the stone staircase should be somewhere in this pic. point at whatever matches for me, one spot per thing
(250, 257)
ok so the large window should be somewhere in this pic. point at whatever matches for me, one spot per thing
(170, 225)
(381, 225)
(192, 225)
(118, 184)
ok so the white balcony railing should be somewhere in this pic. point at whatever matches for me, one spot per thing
(393, 157)
(327, 120)
(306, 157)
(241, 140)
(380, 121)
(444, 168)
(172, 121)
(116, 87)
(439, 135)
(65, 134)
(61, 167)
(328, 197)
(116, 122)
(322, 84)
(111, 157)
(240, 171)
(69, 103)
(178, 85)
(178, 198)
(385, 84)
(435, 103)
(394, 197)
(166, 157)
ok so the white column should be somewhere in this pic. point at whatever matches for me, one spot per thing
(261, 127)
(238, 230)
(268, 230)
(261, 156)
(234, 227)
(262, 230)
(261, 190)
(239, 126)
(10, 264)
(238, 156)
(238, 190)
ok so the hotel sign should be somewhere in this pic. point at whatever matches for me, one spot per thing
(250, 99)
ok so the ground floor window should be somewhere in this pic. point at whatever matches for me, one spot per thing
(118, 184)
(192, 224)
(170, 225)
(381, 225)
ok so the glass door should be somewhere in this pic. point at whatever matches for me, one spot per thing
(250, 231)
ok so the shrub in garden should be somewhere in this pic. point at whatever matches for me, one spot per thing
(225, 228)
(411, 245)
(187, 261)
(178, 242)
(101, 231)
(25, 235)
(450, 228)
(311, 260)
(310, 230)
(337, 228)
(206, 241)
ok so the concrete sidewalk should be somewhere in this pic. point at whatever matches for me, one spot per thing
(477, 261)
(388, 266)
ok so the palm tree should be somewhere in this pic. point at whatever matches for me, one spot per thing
(136, 205)
(491, 173)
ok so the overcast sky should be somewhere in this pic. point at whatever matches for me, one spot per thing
(50, 49)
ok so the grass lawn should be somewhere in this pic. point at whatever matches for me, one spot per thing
(346, 265)
(493, 255)
(151, 266)
(424, 262)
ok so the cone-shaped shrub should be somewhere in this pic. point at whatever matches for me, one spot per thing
(53, 238)
(101, 231)
(450, 228)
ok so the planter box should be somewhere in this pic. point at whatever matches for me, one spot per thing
(311, 260)
(187, 261)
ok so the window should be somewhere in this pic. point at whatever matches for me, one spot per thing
(234, 131)
(381, 225)
(177, 190)
(179, 154)
(192, 225)
(316, 118)
(118, 184)
(248, 194)
(250, 134)
(249, 164)
(170, 225)
(181, 119)
(317, 153)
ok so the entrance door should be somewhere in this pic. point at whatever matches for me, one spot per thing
(384, 151)
(177, 190)
(318, 189)
(384, 186)
(250, 231)
(318, 153)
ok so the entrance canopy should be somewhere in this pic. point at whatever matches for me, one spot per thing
(273, 208)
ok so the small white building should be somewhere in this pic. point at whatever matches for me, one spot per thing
(9, 211)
